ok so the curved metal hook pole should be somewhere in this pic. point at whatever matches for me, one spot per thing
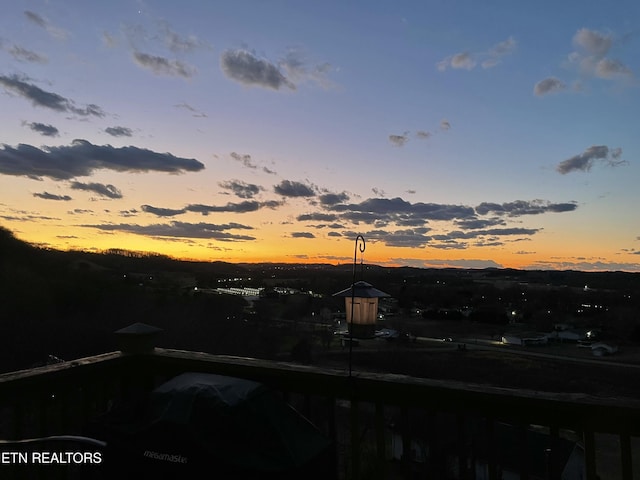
(360, 244)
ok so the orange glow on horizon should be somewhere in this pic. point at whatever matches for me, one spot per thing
(277, 247)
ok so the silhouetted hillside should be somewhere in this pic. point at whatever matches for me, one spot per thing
(68, 304)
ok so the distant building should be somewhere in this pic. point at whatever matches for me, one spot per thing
(243, 291)
(566, 332)
(285, 290)
(528, 338)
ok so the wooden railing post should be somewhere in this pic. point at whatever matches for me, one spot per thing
(625, 456)
(406, 441)
(355, 439)
(589, 454)
(551, 454)
(492, 464)
(333, 431)
(462, 448)
(523, 442)
(380, 440)
(435, 462)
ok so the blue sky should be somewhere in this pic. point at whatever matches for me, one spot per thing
(448, 133)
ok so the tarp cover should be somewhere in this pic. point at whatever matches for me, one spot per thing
(223, 426)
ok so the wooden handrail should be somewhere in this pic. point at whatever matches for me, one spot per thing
(97, 381)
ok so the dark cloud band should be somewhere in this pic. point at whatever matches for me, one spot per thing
(82, 158)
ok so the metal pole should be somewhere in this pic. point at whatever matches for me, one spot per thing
(359, 245)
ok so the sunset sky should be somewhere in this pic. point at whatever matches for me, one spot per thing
(448, 133)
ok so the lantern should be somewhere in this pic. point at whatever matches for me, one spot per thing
(361, 306)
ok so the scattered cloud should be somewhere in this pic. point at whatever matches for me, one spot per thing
(51, 196)
(411, 238)
(43, 129)
(399, 140)
(244, 67)
(397, 208)
(519, 208)
(295, 66)
(333, 198)
(162, 212)
(592, 42)
(302, 235)
(463, 60)
(591, 56)
(244, 159)
(161, 35)
(288, 72)
(415, 221)
(40, 21)
(128, 213)
(242, 207)
(109, 40)
(194, 111)
(547, 86)
(35, 18)
(164, 66)
(82, 158)
(479, 223)
(241, 189)
(28, 217)
(42, 98)
(103, 190)
(317, 217)
(23, 55)
(608, 68)
(82, 211)
(248, 162)
(119, 131)
(179, 44)
(455, 236)
(487, 59)
(181, 230)
(498, 51)
(591, 59)
(585, 160)
(287, 188)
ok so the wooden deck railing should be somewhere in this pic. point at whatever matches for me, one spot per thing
(356, 411)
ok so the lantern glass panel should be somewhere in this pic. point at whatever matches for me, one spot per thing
(365, 310)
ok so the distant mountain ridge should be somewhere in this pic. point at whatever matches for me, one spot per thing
(14, 251)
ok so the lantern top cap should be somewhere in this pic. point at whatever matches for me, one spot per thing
(138, 329)
(361, 290)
